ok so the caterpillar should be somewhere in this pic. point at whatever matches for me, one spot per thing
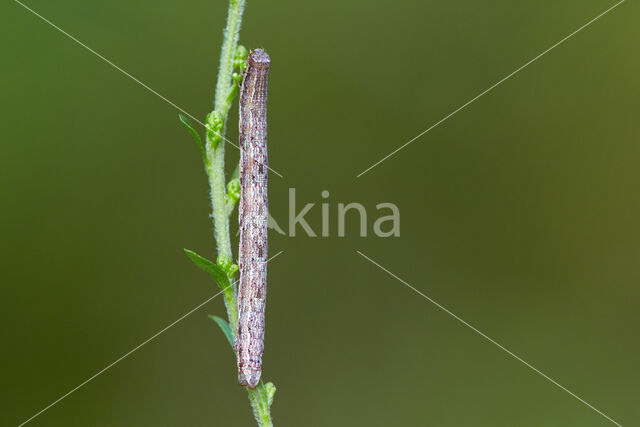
(253, 218)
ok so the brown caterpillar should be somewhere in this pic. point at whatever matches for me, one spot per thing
(253, 217)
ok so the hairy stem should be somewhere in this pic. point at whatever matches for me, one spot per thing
(231, 33)
(215, 170)
(215, 134)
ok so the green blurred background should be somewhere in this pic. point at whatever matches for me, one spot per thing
(520, 214)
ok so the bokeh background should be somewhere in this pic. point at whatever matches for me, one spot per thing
(520, 214)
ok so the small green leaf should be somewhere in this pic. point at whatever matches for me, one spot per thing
(240, 57)
(215, 124)
(270, 389)
(236, 172)
(226, 328)
(234, 188)
(207, 266)
(195, 134)
(222, 279)
(233, 269)
(233, 195)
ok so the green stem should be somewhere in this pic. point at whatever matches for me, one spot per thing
(215, 140)
(215, 170)
(231, 34)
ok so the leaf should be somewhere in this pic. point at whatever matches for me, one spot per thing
(222, 279)
(270, 389)
(195, 134)
(236, 173)
(226, 328)
(207, 266)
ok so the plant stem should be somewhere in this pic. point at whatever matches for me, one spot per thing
(231, 34)
(215, 171)
(215, 142)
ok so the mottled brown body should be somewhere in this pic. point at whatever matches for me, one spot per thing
(253, 216)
